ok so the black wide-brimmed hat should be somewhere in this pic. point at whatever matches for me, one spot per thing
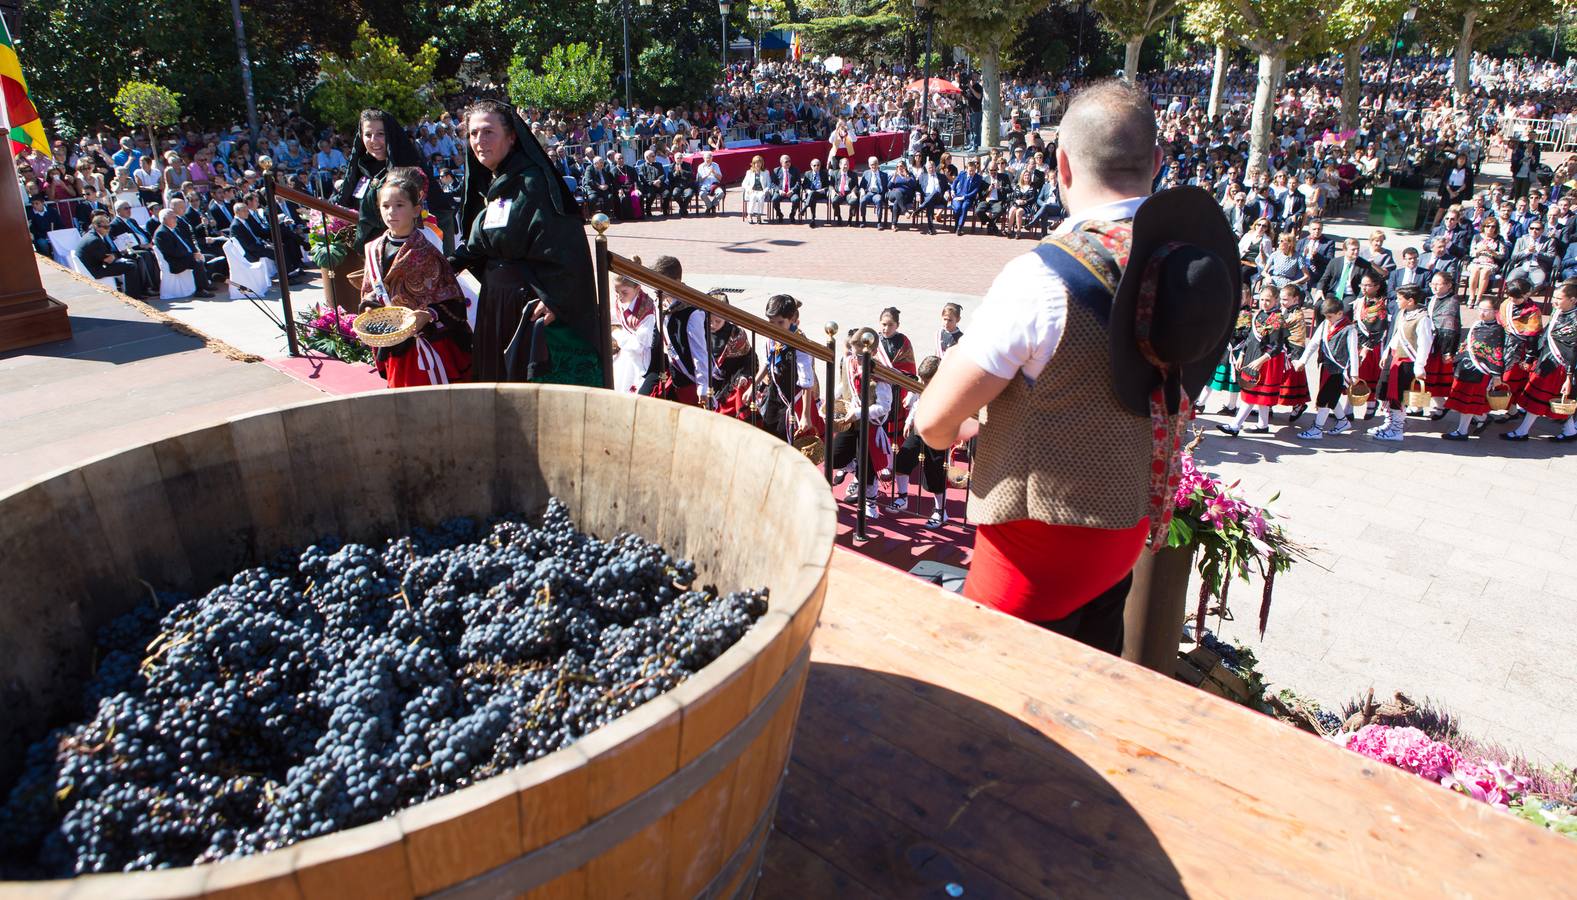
(1175, 306)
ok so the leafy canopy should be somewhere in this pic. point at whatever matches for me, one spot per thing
(572, 78)
(144, 105)
(376, 73)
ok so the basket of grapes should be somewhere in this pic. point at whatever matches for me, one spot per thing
(386, 326)
(292, 663)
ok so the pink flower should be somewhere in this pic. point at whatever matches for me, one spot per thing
(1256, 523)
(1217, 511)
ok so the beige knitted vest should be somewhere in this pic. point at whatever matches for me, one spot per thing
(1064, 450)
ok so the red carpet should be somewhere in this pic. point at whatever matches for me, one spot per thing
(901, 540)
(329, 375)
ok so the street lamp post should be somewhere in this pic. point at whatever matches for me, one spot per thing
(723, 6)
(923, 8)
(759, 16)
(627, 11)
(1396, 38)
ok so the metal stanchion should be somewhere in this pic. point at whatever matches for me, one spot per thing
(279, 256)
(866, 339)
(831, 389)
(605, 333)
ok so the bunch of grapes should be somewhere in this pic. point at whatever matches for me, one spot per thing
(339, 685)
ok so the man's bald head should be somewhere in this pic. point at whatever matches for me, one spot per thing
(1108, 134)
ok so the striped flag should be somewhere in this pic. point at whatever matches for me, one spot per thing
(26, 129)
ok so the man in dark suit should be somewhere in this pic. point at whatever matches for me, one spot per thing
(1340, 279)
(90, 206)
(652, 182)
(814, 188)
(102, 260)
(681, 184)
(219, 210)
(785, 186)
(966, 190)
(209, 250)
(248, 235)
(1409, 272)
(140, 249)
(179, 253)
(598, 184)
(1441, 259)
(844, 190)
(1293, 207)
(1458, 234)
(1318, 249)
(931, 194)
(873, 190)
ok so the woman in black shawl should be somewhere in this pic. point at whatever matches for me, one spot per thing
(536, 316)
(380, 145)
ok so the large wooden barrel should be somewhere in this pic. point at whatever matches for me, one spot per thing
(674, 799)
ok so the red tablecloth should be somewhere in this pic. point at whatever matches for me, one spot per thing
(736, 162)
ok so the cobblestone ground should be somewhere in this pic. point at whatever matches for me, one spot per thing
(1440, 570)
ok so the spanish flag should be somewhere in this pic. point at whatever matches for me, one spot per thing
(26, 129)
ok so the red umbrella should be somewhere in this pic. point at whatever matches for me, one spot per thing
(938, 86)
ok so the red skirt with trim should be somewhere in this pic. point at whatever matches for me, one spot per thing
(1263, 388)
(1439, 372)
(1042, 573)
(1294, 386)
(1470, 397)
(438, 361)
(1369, 365)
(1516, 379)
(1542, 390)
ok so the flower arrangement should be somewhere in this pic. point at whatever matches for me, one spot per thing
(329, 331)
(328, 239)
(1228, 535)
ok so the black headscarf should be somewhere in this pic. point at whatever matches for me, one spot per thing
(478, 177)
(401, 152)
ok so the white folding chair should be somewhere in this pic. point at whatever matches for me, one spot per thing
(252, 276)
(80, 269)
(172, 285)
(64, 240)
(140, 215)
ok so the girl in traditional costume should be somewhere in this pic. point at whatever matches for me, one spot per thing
(787, 385)
(404, 269)
(1523, 321)
(846, 443)
(1371, 318)
(635, 329)
(1552, 368)
(895, 351)
(1480, 361)
(1445, 320)
(1294, 390)
(1225, 379)
(1261, 364)
(734, 360)
(1404, 359)
(914, 452)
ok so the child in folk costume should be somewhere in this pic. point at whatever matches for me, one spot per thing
(1371, 319)
(1299, 319)
(914, 452)
(895, 351)
(635, 328)
(404, 269)
(1480, 361)
(1523, 320)
(1404, 359)
(787, 385)
(734, 360)
(1225, 379)
(846, 443)
(1552, 368)
(1261, 364)
(1335, 344)
(1445, 319)
(950, 333)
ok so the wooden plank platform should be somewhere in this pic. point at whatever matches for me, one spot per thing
(946, 747)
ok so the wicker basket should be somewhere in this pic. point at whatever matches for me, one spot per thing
(1564, 406)
(814, 448)
(840, 409)
(1418, 396)
(1499, 398)
(403, 320)
(1359, 392)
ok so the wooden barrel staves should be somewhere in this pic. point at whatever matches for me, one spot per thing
(674, 799)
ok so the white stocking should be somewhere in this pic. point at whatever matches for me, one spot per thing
(1344, 408)
(1527, 423)
(1320, 415)
(1264, 416)
(1569, 427)
(1464, 422)
(1242, 416)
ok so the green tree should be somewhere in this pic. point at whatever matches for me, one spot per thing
(1274, 29)
(984, 28)
(147, 106)
(1133, 21)
(1469, 25)
(665, 75)
(1208, 21)
(877, 36)
(377, 73)
(572, 78)
(1350, 26)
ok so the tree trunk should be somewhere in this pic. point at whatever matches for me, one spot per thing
(991, 85)
(1264, 107)
(1352, 90)
(1461, 64)
(1131, 59)
(1218, 81)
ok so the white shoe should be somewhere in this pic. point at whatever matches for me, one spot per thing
(1385, 425)
(1312, 433)
(852, 492)
(900, 504)
(871, 510)
(1342, 426)
(1391, 434)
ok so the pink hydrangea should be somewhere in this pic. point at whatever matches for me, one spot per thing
(1405, 748)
